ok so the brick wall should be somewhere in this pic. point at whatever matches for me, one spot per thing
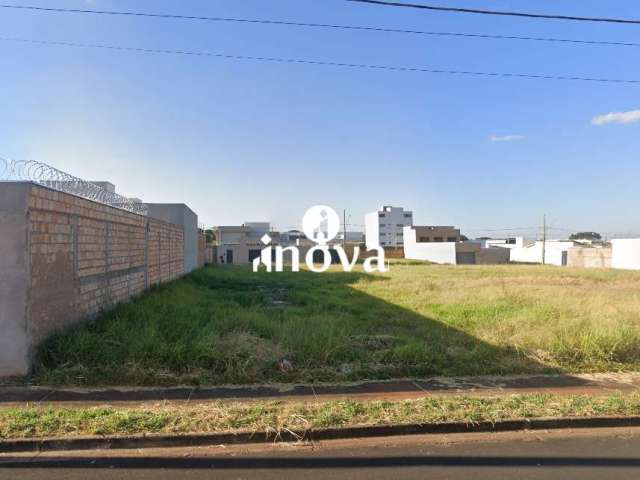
(202, 250)
(86, 256)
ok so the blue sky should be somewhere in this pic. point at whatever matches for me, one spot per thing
(249, 141)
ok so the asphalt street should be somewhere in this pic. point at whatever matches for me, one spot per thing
(558, 455)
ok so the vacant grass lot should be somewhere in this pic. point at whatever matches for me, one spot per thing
(229, 325)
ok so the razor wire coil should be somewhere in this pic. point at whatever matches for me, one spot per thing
(51, 177)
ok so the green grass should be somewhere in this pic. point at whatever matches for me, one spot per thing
(272, 417)
(229, 325)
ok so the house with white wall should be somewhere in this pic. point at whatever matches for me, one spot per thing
(436, 252)
(512, 242)
(555, 252)
(625, 253)
(437, 233)
(240, 244)
(384, 227)
(417, 247)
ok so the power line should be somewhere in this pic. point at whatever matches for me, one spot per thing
(497, 12)
(323, 25)
(517, 229)
(327, 63)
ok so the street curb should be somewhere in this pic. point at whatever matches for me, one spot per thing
(204, 439)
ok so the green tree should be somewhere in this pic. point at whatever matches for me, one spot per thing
(209, 235)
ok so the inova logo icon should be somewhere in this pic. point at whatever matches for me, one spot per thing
(320, 224)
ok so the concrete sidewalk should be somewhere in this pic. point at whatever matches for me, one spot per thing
(593, 384)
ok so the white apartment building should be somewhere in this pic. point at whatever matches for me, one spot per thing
(384, 228)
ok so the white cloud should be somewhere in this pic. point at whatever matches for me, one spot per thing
(617, 117)
(506, 138)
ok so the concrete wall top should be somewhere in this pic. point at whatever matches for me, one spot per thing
(103, 207)
(170, 212)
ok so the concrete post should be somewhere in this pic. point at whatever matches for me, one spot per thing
(15, 284)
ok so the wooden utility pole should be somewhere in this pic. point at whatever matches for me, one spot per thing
(544, 237)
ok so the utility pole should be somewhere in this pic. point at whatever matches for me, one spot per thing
(544, 237)
(344, 228)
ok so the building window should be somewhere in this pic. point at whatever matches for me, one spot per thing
(425, 239)
(381, 215)
(452, 239)
(437, 239)
(407, 215)
(400, 225)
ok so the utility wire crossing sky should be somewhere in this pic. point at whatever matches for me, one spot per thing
(498, 12)
(316, 25)
(320, 62)
(135, 97)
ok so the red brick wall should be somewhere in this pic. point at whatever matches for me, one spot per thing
(86, 256)
(165, 252)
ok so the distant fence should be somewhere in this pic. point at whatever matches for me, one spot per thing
(51, 177)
